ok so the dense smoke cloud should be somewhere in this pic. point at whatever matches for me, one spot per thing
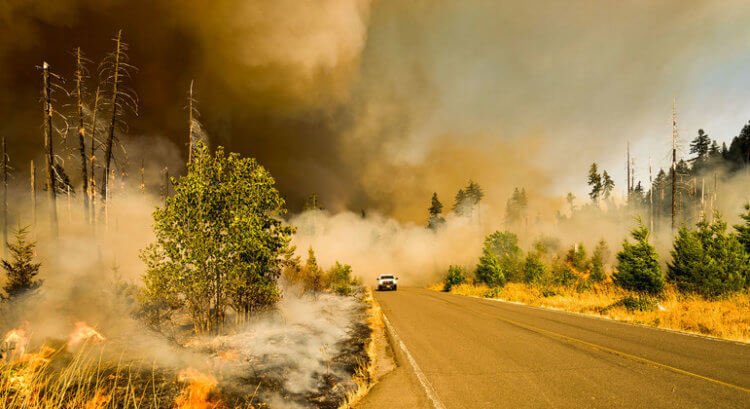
(343, 97)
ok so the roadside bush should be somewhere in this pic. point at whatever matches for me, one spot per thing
(743, 230)
(535, 270)
(546, 246)
(456, 276)
(503, 247)
(493, 292)
(490, 272)
(340, 279)
(640, 303)
(638, 264)
(563, 274)
(708, 261)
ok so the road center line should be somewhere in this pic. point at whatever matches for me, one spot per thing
(426, 385)
(622, 354)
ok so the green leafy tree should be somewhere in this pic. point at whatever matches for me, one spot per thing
(595, 182)
(638, 264)
(598, 260)
(503, 247)
(743, 230)
(708, 260)
(456, 276)
(490, 271)
(340, 279)
(220, 241)
(436, 219)
(21, 270)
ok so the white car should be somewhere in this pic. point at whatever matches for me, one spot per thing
(387, 282)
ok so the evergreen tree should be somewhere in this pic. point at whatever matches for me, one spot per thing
(535, 271)
(577, 257)
(515, 209)
(708, 260)
(467, 199)
(313, 275)
(607, 185)
(700, 146)
(460, 206)
(570, 198)
(599, 258)
(743, 230)
(738, 153)
(474, 193)
(456, 276)
(490, 271)
(638, 264)
(595, 182)
(312, 203)
(436, 219)
(21, 270)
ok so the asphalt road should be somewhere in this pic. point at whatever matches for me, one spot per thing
(462, 352)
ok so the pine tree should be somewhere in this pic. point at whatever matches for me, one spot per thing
(708, 260)
(595, 182)
(21, 270)
(312, 203)
(313, 274)
(700, 146)
(598, 259)
(515, 209)
(607, 185)
(436, 219)
(638, 264)
(743, 230)
(460, 204)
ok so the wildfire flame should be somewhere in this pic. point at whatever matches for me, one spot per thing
(84, 333)
(15, 343)
(195, 394)
(99, 401)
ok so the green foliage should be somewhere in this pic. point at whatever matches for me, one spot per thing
(490, 271)
(563, 274)
(595, 182)
(503, 249)
(607, 185)
(493, 292)
(578, 258)
(640, 303)
(436, 219)
(20, 270)
(546, 246)
(313, 277)
(600, 257)
(340, 279)
(638, 264)
(708, 260)
(534, 269)
(467, 199)
(456, 276)
(219, 241)
(743, 230)
(515, 210)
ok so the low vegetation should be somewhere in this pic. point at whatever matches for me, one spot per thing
(705, 287)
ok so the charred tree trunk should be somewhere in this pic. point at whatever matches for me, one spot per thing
(82, 132)
(5, 198)
(48, 144)
(143, 177)
(92, 157)
(113, 120)
(33, 193)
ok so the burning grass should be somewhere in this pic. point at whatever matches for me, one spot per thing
(309, 353)
(725, 318)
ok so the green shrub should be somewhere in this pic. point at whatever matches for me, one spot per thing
(503, 247)
(340, 279)
(638, 264)
(583, 285)
(489, 271)
(563, 274)
(601, 255)
(534, 269)
(493, 292)
(709, 261)
(637, 303)
(577, 258)
(456, 276)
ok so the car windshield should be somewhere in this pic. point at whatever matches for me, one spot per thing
(386, 277)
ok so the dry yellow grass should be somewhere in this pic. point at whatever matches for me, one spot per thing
(365, 377)
(726, 318)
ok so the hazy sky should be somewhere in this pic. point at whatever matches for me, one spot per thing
(377, 104)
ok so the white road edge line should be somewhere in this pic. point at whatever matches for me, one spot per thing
(426, 385)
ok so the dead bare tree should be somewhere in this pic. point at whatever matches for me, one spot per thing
(143, 177)
(92, 156)
(190, 123)
(49, 145)
(674, 164)
(115, 69)
(80, 74)
(32, 172)
(5, 198)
